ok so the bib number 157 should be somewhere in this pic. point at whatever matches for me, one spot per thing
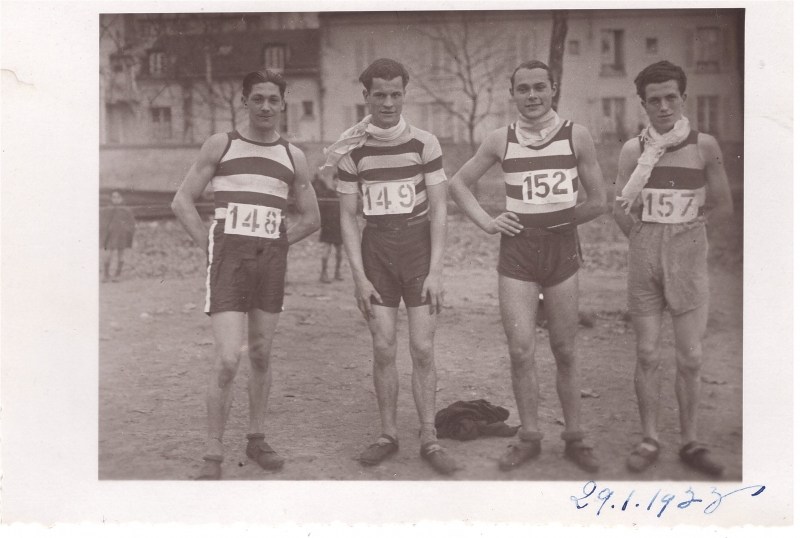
(669, 206)
(253, 220)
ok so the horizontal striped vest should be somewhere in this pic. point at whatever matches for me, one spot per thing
(542, 181)
(678, 176)
(256, 173)
(401, 161)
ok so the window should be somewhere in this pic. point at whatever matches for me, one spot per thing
(611, 52)
(574, 47)
(158, 63)
(275, 57)
(308, 109)
(613, 123)
(651, 45)
(161, 127)
(361, 112)
(708, 114)
(709, 50)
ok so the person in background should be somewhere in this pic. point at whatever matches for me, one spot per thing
(330, 227)
(117, 225)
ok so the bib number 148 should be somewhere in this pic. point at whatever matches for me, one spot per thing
(253, 220)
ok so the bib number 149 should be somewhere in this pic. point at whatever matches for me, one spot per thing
(253, 220)
(389, 198)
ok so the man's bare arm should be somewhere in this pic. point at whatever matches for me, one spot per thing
(627, 164)
(489, 153)
(437, 200)
(351, 237)
(591, 176)
(720, 202)
(193, 186)
(309, 220)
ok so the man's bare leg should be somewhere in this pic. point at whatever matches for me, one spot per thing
(261, 330)
(337, 275)
(518, 303)
(326, 252)
(228, 329)
(689, 330)
(422, 329)
(561, 305)
(647, 378)
(384, 369)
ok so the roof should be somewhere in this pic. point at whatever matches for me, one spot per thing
(238, 53)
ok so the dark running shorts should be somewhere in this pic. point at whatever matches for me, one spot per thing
(244, 273)
(397, 263)
(547, 258)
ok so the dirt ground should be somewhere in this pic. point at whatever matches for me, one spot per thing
(156, 348)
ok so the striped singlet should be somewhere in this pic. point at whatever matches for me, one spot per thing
(542, 181)
(255, 173)
(676, 188)
(388, 171)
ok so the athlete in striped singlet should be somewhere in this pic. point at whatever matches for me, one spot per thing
(543, 159)
(669, 177)
(398, 171)
(250, 172)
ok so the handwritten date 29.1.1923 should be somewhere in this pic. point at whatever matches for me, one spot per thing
(657, 502)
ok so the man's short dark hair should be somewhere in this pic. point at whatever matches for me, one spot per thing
(386, 69)
(257, 77)
(657, 73)
(532, 64)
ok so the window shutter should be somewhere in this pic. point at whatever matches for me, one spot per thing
(728, 50)
(690, 45)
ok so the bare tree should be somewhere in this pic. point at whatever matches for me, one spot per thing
(462, 80)
(557, 38)
(230, 92)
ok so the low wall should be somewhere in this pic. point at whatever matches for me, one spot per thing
(151, 168)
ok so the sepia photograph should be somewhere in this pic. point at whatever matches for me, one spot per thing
(441, 245)
(466, 268)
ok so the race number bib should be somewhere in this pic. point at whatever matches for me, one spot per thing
(253, 220)
(389, 198)
(547, 188)
(671, 206)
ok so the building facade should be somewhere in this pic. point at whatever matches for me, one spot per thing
(460, 61)
(176, 79)
(172, 79)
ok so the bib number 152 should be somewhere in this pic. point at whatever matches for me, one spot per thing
(253, 220)
(547, 188)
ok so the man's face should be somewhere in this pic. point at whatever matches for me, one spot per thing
(663, 104)
(533, 93)
(264, 105)
(385, 101)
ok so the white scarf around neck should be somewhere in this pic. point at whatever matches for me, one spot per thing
(530, 132)
(357, 135)
(655, 145)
